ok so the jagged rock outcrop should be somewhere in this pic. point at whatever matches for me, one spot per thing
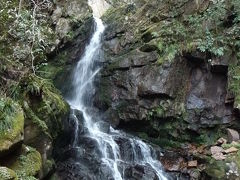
(159, 82)
(73, 22)
(141, 90)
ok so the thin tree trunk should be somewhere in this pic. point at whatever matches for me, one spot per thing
(20, 7)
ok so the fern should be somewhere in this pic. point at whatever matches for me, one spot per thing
(8, 109)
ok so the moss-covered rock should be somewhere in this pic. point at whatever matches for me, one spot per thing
(226, 169)
(216, 169)
(27, 164)
(48, 168)
(11, 124)
(7, 174)
(48, 107)
(63, 28)
(45, 110)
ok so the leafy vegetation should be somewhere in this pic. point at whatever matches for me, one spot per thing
(28, 164)
(47, 105)
(167, 108)
(215, 30)
(7, 174)
(25, 28)
(11, 123)
(234, 80)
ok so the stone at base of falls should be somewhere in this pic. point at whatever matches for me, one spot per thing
(173, 162)
(72, 171)
(221, 141)
(231, 150)
(77, 163)
(216, 149)
(104, 126)
(217, 153)
(139, 172)
(219, 156)
(233, 135)
(192, 164)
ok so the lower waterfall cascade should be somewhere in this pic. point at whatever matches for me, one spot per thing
(112, 156)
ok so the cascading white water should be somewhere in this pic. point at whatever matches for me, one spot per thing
(83, 91)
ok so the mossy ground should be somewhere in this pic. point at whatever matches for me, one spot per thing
(7, 174)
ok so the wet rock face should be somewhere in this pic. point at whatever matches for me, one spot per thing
(205, 102)
(73, 22)
(139, 172)
(133, 84)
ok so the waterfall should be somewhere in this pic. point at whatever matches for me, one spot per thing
(112, 155)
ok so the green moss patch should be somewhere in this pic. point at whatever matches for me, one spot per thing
(47, 105)
(234, 81)
(11, 123)
(7, 174)
(28, 163)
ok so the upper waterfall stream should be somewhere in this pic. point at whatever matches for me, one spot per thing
(115, 151)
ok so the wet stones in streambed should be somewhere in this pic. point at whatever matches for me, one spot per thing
(86, 147)
(126, 148)
(72, 170)
(86, 168)
(103, 126)
(132, 171)
(72, 153)
(131, 150)
(90, 145)
(76, 121)
(139, 172)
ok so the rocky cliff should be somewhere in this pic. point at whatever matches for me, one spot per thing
(170, 74)
(37, 42)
